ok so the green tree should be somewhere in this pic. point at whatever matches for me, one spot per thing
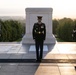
(55, 25)
(11, 30)
(64, 30)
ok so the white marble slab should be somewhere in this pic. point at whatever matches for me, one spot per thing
(32, 48)
(5, 48)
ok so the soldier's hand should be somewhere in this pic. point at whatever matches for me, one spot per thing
(33, 37)
(44, 38)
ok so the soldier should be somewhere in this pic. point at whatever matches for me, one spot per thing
(39, 34)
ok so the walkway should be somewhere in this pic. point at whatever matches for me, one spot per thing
(59, 60)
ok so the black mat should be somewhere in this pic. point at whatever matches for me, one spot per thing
(34, 61)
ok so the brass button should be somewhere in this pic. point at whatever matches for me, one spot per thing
(39, 32)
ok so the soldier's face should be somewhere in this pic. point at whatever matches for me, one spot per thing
(39, 20)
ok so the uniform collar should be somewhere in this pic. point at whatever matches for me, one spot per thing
(40, 23)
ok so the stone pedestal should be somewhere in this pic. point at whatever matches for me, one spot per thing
(31, 18)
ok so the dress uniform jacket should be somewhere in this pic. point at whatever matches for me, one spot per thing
(39, 31)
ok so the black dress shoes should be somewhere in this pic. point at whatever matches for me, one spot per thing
(38, 60)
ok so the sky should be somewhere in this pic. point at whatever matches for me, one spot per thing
(61, 8)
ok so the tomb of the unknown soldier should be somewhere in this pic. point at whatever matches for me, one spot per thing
(31, 18)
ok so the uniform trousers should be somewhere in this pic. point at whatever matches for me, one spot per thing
(39, 45)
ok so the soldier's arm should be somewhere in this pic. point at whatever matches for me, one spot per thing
(33, 33)
(44, 31)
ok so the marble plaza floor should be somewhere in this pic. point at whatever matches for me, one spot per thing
(60, 59)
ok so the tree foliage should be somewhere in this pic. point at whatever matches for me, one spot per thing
(55, 25)
(11, 30)
(65, 29)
